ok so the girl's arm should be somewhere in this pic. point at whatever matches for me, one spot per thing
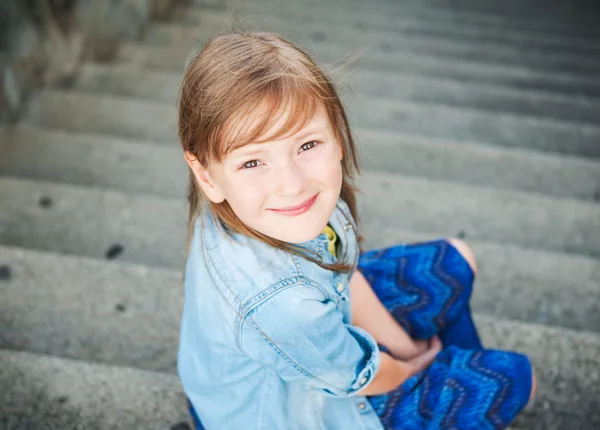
(392, 373)
(371, 315)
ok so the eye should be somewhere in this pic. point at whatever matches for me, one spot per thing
(254, 163)
(246, 164)
(314, 143)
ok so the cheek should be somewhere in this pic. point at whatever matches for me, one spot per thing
(326, 167)
(247, 191)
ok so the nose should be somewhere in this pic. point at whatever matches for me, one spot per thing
(289, 180)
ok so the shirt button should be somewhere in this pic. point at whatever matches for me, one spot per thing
(340, 287)
(347, 226)
(362, 405)
(363, 380)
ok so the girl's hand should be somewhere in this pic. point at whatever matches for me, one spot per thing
(420, 347)
(424, 360)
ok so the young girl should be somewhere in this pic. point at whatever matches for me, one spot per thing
(286, 324)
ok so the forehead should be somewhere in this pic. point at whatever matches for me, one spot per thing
(286, 126)
(270, 122)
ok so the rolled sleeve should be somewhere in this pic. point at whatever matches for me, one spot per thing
(300, 334)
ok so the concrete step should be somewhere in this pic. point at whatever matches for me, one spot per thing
(562, 16)
(140, 166)
(474, 51)
(518, 76)
(133, 166)
(408, 25)
(93, 222)
(127, 80)
(566, 361)
(104, 114)
(561, 290)
(42, 392)
(461, 123)
(387, 15)
(127, 117)
(150, 230)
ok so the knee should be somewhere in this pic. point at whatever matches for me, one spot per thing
(465, 251)
(533, 386)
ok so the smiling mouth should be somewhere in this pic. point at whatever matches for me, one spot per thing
(298, 209)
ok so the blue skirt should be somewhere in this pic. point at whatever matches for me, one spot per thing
(427, 287)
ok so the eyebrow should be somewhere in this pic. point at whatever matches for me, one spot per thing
(261, 147)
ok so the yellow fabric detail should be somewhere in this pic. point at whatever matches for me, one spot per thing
(332, 239)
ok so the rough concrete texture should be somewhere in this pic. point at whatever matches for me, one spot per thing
(489, 14)
(427, 23)
(517, 76)
(42, 393)
(132, 165)
(476, 120)
(89, 221)
(130, 117)
(157, 85)
(113, 299)
(470, 51)
(105, 114)
(43, 396)
(104, 161)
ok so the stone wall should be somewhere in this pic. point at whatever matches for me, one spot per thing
(42, 42)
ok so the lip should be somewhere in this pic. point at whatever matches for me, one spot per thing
(296, 210)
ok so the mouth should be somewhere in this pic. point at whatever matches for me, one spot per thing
(295, 210)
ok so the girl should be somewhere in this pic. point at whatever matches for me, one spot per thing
(270, 337)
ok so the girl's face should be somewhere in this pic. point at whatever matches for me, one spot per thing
(258, 179)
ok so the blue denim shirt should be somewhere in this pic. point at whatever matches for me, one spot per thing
(266, 338)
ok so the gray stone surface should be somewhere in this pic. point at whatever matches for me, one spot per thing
(102, 161)
(41, 393)
(45, 390)
(462, 123)
(566, 366)
(91, 222)
(128, 117)
(136, 165)
(411, 23)
(471, 50)
(105, 114)
(87, 221)
(446, 95)
(519, 76)
(128, 80)
(123, 314)
(129, 314)
(502, 216)
(530, 18)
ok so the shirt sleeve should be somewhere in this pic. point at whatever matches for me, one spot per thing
(300, 333)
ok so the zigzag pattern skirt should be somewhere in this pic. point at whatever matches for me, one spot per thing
(427, 287)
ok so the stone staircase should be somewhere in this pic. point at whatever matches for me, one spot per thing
(475, 119)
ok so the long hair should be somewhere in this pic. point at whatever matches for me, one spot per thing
(236, 75)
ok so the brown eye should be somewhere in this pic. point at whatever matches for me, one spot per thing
(246, 165)
(314, 143)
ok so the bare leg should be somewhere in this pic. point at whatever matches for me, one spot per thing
(371, 315)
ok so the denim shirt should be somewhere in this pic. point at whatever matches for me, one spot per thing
(266, 338)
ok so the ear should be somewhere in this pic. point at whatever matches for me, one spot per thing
(203, 179)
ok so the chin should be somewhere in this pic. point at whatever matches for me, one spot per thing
(298, 238)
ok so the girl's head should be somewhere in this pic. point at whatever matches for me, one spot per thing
(262, 128)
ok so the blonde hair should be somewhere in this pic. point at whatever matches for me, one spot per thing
(236, 75)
